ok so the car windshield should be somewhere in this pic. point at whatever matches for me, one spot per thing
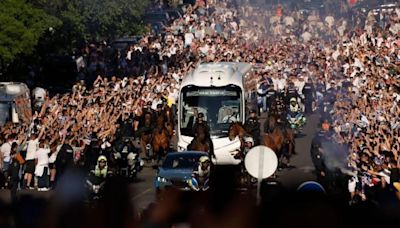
(181, 161)
(220, 105)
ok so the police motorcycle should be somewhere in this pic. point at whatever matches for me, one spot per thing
(97, 178)
(127, 159)
(295, 118)
(199, 182)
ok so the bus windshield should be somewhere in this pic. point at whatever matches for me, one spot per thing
(220, 105)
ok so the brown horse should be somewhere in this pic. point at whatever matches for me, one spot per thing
(237, 129)
(161, 138)
(169, 120)
(199, 142)
(279, 139)
(146, 133)
(202, 141)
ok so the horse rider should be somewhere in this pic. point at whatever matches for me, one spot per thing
(160, 111)
(201, 123)
(252, 126)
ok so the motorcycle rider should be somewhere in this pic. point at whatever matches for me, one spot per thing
(252, 126)
(125, 149)
(201, 173)
(294, 110)
(294, 106)
(101, 168)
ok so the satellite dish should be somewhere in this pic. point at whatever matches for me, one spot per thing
(261, 162)
(311, 186)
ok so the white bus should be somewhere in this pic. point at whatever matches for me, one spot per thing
(217, 90)
(15, 103)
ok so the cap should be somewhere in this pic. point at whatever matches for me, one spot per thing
(200, 115)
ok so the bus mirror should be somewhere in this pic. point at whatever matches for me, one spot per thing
(14, 114)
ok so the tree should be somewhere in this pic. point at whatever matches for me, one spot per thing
(108, 19)
(21, 27)
(95, 19)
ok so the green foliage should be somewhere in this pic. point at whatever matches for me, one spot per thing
(21, 27)
(96, 19)
(108, 19)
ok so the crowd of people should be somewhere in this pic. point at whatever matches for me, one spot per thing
(354, 61)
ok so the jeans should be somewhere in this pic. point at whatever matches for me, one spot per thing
(44, 180)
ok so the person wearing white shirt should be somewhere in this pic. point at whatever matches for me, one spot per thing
(42, 167)
(31, 147)
(5, 152)
(156, 102)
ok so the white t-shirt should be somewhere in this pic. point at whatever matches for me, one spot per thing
(5, 151)
(32, 147)
(42, 156)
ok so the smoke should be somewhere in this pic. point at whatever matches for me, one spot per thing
(335, 157)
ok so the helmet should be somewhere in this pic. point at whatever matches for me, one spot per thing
(204, 159)
(249, 140)
(101, 158)
(293, 99)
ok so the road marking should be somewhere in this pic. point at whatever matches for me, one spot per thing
(142, 194)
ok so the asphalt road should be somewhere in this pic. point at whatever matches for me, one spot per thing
(302, 168)
(143, 192)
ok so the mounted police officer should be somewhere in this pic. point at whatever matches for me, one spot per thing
(201, 123)
(252, 126)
